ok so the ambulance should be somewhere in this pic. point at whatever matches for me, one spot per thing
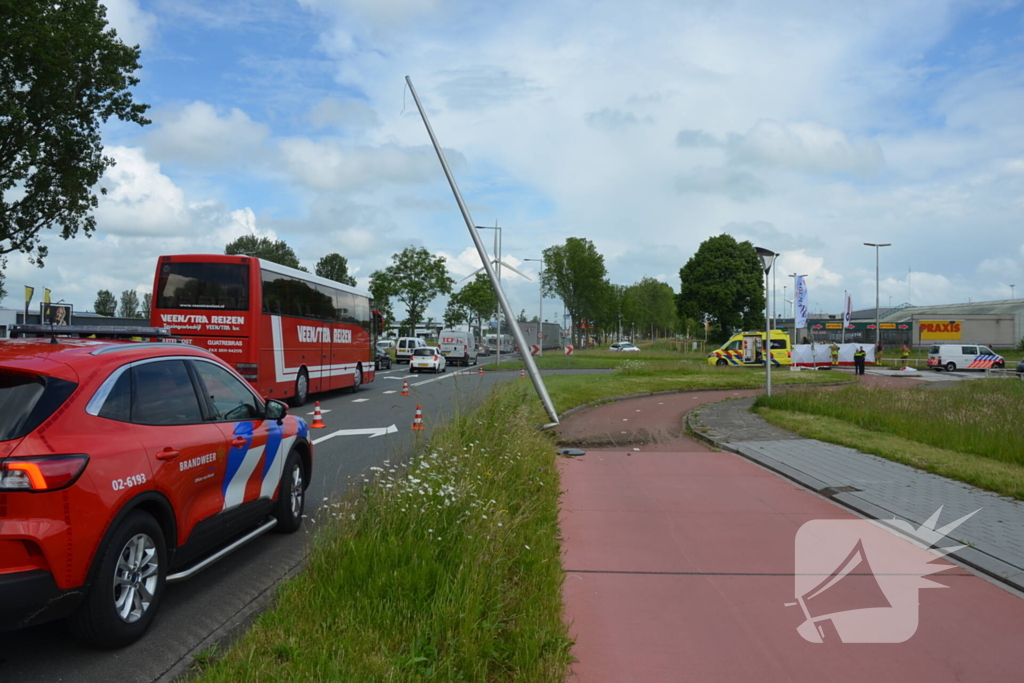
(744, 348)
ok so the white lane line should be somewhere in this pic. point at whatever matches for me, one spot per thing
(360, 400)
(438, 379)
(372, 432)
(389, 392)
(322, 410)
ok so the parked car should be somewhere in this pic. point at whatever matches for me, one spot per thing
(386, 343)
(483, 350)
(952, 357)
(126, 466)
(382, 360)
(1020, 366)
(428, 358)
(405, 347)
(623, 346)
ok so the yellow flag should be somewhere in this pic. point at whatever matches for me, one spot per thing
(29, 291)
(46, 295)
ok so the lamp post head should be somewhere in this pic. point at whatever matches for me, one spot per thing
(767, 258)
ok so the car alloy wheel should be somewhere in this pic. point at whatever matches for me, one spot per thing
(136, 578)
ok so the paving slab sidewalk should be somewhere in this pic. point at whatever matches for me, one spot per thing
(881, 489)
(679, 565)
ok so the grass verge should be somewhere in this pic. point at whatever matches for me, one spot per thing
(447, 572)
(985, 473)
(600, 359)
(980, 417)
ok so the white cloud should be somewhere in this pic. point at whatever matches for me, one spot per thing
(134, 26)
(805, 146)
(999, 267)
(333, 165)
(333, 113)
(197, 134)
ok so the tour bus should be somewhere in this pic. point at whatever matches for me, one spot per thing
(289, 333)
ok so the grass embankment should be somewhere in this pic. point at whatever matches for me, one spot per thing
(449, 572)
(601, 358)
(642, 377)
(970, 432)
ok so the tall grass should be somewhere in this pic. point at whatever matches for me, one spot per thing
(981, 417)
(447, 572)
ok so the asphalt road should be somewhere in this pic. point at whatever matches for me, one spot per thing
(196, 613)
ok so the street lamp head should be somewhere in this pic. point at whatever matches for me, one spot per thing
(767, 258)
(872, 244)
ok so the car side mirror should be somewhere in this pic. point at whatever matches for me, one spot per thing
(276, 410)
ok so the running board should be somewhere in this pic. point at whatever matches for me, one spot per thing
(222, 553)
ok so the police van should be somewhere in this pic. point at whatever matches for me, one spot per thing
(744, 348)
(952, 357)
(458, 348)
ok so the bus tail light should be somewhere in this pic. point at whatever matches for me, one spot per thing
(249, 371)
(41, 474)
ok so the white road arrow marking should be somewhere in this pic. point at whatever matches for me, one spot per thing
(388, 392)
(372, 432)
(322, 411)
(364, 400)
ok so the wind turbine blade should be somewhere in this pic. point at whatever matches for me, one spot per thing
(472, 274)
(514, 270)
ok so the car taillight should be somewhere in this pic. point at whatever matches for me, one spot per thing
(248, 371)
(41, 474)
(435, 358)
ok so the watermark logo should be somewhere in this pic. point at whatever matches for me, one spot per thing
(857, 580)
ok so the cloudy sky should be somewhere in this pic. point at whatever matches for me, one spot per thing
(647, 127)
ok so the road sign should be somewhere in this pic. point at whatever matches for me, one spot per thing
(534, 349)
(568, 349)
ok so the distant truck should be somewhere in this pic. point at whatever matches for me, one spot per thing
(744, 348)
(550, 335)
(458, 347)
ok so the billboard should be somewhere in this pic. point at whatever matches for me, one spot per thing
(58, 314)
(940, 329)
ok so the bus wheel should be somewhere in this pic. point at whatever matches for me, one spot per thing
(357, 380)
(722, 361)
(301, 389)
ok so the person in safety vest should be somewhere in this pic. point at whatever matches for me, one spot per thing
(860, 357)
(834, 351)
(905, 352)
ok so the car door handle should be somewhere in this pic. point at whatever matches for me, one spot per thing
(238, 442)
(167, 454)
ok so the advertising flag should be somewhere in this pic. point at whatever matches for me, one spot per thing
(801, 303)
(848, 314)
(29, 291)
(46, 295)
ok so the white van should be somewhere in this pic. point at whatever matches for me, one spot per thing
(458, 347)
(405, 347)
(963, 357)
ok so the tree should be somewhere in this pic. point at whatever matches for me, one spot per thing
(105, 304)
(574, 272)
(264, 248)
(3, 291)
(522, 316)
(129, 304)
(415, 278)
(479, 299)
(335, 267)
(724, 282)
(147, 306)
(63, 73)
(650, 304)
(456, 312)
(381, 299)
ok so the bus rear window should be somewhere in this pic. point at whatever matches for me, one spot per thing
(217, 286)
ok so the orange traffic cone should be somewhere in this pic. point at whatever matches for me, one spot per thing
(417, 422)
(522, 373)
(405, 388)
(481, 370)
(318, 418)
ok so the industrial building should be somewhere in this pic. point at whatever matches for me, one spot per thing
(997, 324)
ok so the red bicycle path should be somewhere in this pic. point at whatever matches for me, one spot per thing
(679, 562)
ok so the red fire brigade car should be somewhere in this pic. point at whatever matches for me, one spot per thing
(125, 466)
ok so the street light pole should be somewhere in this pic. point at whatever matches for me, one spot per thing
(540, 307)
(767, 259)
(1011, 290)
(878, 328)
